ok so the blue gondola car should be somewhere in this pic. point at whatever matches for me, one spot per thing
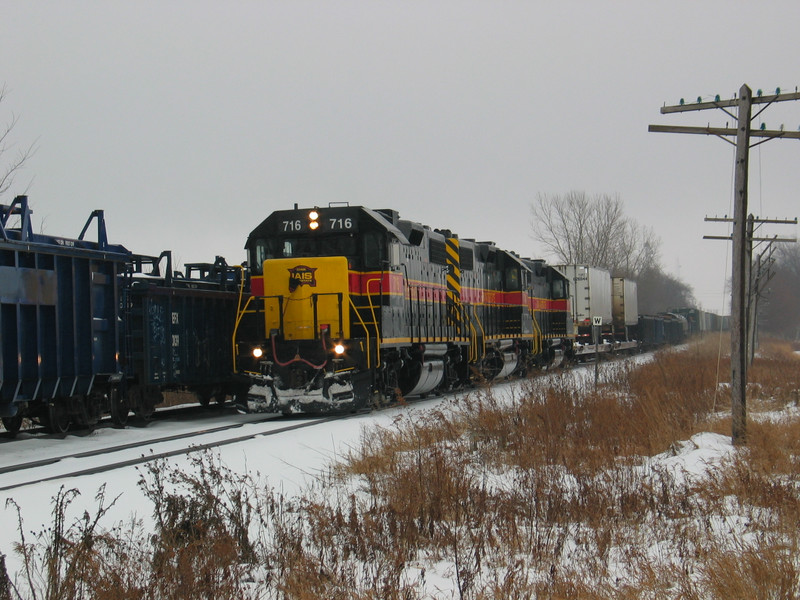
(178, 331)
(59, 330)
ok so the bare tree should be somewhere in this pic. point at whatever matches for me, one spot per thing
(12, 159)
(579, 229)
(561, 224)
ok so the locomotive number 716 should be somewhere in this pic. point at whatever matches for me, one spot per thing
(340, 223)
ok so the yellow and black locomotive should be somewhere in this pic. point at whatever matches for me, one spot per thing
(349, 307)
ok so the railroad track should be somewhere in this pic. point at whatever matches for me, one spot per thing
(178, 411)
(24, 473)
(39, 471)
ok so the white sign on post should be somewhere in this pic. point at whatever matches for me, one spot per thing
(597, 321)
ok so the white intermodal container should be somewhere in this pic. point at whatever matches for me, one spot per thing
(624, 302)
(590, 293)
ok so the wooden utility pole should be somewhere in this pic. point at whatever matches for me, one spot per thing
(740, 268)
(740, 271)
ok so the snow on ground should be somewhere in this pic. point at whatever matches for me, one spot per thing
(288, 463)
(690, 460)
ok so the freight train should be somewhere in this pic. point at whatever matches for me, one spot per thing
(336, 309)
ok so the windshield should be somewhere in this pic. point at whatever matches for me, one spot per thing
(297, 247)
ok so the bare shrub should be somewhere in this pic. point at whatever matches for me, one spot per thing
(65, 559)
(202, 516)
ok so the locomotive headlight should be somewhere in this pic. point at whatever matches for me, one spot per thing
(258, 353)
(339, 348)
(313, 223)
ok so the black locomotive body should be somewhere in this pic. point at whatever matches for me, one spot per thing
(350, 307)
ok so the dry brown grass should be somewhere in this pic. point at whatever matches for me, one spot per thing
(546, 495)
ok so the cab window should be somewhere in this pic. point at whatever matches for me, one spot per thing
(373, 250)
(258, 254)
(512, 279)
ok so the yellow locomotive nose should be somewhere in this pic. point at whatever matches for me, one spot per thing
(303, 295)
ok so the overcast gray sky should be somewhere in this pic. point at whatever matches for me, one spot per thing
(189, 122)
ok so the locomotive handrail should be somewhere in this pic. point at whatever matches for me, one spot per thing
(241, 284)
(374, 318)
(537, 336)
(239, 315)
(366, 333)
(482, 352)
(470, 328)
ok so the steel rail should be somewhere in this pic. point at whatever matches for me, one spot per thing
(158, 455)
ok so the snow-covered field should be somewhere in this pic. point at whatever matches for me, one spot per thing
(289, 463)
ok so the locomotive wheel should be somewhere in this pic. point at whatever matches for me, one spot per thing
(12, 424)
(119, 408)
(56, 418)
(240, 401)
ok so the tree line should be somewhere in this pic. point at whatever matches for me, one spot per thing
(780, 304)
(577, 228)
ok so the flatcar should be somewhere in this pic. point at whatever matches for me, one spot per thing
(350, 307)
